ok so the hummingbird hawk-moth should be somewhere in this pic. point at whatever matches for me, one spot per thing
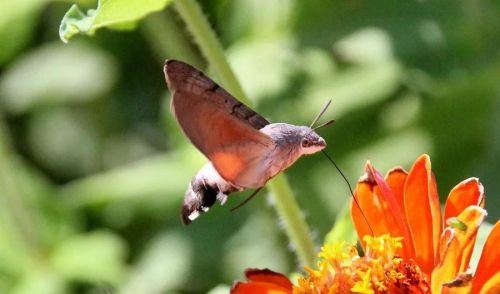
(245, 150)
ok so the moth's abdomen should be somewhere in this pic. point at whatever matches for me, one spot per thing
(198, 199)
(205, 188)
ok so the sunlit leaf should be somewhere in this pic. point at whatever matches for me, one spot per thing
(115, 14)
(353, 48)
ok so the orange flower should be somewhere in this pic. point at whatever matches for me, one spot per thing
(407, 204)
(263, 281)
(342, 270)
(425, 258)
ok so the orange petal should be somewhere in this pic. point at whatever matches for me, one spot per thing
(445, 271)
(258, 288)
(263, 281)
(444, 243)
(468, 192)
(489, 263)
(455, 247)
(492, 286)
(380, 208)
(396, 178)
(267, 275)
(398, 224)
(473, 216)
(423, 212)
(363, 212)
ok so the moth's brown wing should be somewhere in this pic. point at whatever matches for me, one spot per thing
(182, 76)
(221, 127)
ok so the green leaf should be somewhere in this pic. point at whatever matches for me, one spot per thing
(18, 20)
(352, 48)
(114, 14)
(94, 257)
(278, 51)
(41, 281)
(136, 181)
(343, 229)
(53, 74)
(76, 21)
(163, 266)
(241, 250)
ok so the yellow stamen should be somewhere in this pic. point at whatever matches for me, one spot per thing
(341, 270)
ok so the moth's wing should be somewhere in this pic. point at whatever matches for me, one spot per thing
(221, 127)
(182, 76)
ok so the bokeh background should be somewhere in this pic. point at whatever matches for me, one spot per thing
(93, 168)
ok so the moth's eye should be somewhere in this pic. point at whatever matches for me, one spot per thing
(305, 143)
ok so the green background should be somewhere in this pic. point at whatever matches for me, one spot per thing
(93, 167)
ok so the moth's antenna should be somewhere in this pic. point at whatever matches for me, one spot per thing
(320, 113)
(324, 124)
(246, 200)
(350, 189)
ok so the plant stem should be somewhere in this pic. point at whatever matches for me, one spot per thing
(286, 205)
(210, 46)
(296, 226)
(166, 36)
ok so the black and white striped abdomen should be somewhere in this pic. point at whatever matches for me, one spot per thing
(204, 189)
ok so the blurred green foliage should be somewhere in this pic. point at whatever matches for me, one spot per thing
(93, 168)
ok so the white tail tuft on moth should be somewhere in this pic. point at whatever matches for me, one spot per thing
(244, 149)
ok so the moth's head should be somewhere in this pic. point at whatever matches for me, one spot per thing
(311, 142)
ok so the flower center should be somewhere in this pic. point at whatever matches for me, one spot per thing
(342, 270)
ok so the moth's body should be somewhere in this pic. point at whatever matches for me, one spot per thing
(244, 149)
(286, 150)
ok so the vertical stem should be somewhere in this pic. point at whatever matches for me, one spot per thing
(209, 44)
(296, 227)
(166, 36)
(286, 205)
